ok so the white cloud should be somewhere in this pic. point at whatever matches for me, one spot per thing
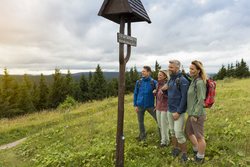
(153, 8)
(200, 1)
(38, 36)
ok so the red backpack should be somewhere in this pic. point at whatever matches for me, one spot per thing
(211, 86)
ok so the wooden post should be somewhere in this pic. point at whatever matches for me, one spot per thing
(121, 12)
(120, 138)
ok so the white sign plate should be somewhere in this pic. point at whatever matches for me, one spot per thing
(121, 38)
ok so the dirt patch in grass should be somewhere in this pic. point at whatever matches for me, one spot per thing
(10, 145)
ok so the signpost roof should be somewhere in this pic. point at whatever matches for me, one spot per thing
(113, 9)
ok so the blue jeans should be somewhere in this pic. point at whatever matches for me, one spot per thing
(140, 116)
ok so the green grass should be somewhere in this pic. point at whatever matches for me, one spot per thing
(85, 136)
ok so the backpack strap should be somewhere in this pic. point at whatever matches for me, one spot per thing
(177, 81)
(163, 95)
(168, 80)
(186, 76)
(139, 83)
(157, 88)
(152, 83)
(195, 84)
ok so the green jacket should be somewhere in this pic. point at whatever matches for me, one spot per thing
(195, 100)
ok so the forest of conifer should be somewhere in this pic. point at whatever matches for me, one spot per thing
(19, 98)
(240, 70)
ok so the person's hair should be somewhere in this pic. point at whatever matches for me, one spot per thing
(176, 62)
(165, 73)
(202, 73)
(147, 68)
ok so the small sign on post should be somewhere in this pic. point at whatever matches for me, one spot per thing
(121, 38)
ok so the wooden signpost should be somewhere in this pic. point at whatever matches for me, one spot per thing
(121, 12)
(121, 38)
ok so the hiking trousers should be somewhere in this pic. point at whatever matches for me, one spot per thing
(162, 119)
(140, 116)
(176, 127)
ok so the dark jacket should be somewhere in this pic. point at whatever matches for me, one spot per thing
(177, 100)
(144, 96)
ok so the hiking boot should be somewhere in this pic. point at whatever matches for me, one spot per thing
(143, 137)
(195, 153)
(184, 158)
(138, 139)
(175, 152)
(163, 145)
(199, 161)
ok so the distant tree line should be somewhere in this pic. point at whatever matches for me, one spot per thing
(19, 98)
(240, 70)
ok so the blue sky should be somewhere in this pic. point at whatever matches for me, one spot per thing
(37, 36)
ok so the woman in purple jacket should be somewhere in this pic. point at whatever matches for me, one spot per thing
(161, 107)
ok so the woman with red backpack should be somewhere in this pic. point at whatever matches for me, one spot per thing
(161, 107)
(196, 95)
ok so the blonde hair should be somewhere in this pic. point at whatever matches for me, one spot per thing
(165, 73)
(202, 73)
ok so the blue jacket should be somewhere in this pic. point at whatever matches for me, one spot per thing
(177, 100)
(144, 96)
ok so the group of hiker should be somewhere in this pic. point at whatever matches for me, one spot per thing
(176, 93)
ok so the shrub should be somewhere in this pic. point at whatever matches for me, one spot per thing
(68, 103)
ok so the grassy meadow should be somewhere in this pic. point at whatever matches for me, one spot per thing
(86, 135)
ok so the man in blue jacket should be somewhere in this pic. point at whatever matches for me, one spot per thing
(177, 107)
(144, 99)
